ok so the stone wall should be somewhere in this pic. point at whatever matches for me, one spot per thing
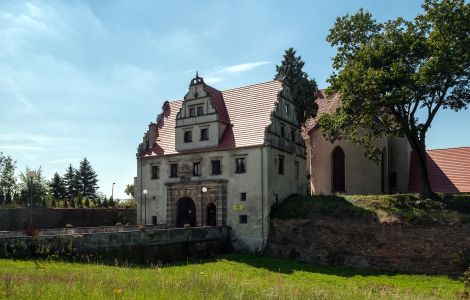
(136, 246)
(368, 243)
(18, 218)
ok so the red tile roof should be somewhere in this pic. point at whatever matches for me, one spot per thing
(449, 170)
(325, 105)
(247, 110)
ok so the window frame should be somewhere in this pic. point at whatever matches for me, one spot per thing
(199, 110)
(188, 133)
(153, 174)
(219, 168)
(243, 219)
(173, 170)
(280, 165)
(286, 109)
(192, 111)
(297, 169)
(243, 196)
(197, 168)
(242, 165)
(204, 137)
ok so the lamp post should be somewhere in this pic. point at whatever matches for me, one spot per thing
(31, 175)
(112, 190)
(145, 207)
(203, 190)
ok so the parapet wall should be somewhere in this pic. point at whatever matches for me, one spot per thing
(19, 218)
(366, 242)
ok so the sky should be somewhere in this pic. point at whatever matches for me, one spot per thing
(85, 78)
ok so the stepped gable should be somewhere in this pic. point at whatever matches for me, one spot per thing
(247, 111)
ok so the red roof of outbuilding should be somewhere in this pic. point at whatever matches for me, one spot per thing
(449, 170)
(247, 111)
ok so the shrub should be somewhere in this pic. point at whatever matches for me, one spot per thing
(466, 279)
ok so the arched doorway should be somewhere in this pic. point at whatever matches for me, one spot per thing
(186, 212)
(211, 215)
(338, 170)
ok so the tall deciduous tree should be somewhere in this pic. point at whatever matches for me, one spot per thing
(38, 186)
(394, 77)
(302, 88)
(7, 177)
(88, 179)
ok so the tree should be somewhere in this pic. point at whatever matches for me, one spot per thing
(58, 187)
(88, 179)
(303, 90)
(389, 73)
(38, 187)
(72, 182)
(129, 190)
(7, 177)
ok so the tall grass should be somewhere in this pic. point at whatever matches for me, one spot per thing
(229, 277)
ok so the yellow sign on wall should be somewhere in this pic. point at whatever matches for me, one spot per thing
(238, 207)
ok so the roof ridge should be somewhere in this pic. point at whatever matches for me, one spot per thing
(450, 148)
(250, 85)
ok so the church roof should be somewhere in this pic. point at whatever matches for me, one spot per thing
(247, 111)
(449, 170)
(325, 105)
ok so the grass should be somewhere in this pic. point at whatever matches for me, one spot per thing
(409, 207)
(233, 276)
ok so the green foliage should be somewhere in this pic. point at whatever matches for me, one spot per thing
(88, 179)
(57, 186)
(232, 276)
(38, 186)
(389, 73)
(466, 279)
(129, 190)
(302, 88)
(408, 207)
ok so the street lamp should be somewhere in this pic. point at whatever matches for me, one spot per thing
(31, 175)
(145, 209)
(203, 190)
(112, 190)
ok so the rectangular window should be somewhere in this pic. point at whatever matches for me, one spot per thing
(192, 111)
(204, 134)
(297, 170)
(286, 109)
(154, 220)
(242, 196)
(196, 169)
(282, 131)
(174, 170)
(240, 166)
(200, 110)
(280, 165)
(216, 167)
(292, 134)
(188, 136)
(155, 172)
(393, 180)
(243, 219)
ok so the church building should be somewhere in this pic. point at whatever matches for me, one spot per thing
(221, 158)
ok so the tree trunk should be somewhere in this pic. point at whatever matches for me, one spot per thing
(419, 148)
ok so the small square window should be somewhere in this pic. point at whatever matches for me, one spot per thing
(192, 111)
(240, 165)
(174, 170)
(200, 110)
(243, 219)
(196, 169)
(242, 196)
(204, 134)
(216, 170)
(188, 136)
(155, 172)
(280, 165)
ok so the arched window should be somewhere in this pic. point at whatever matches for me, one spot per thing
(338, 170)
(383, 169)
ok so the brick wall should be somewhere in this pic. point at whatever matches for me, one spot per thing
(18, 218)
(366, 242)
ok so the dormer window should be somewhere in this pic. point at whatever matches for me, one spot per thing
(188, 136)
(200, 110)
(204, 134)
(192, 111)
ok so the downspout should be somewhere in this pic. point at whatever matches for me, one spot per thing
(262, 199)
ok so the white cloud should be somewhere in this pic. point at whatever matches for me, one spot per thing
(244, 67)
(21, 147)
(211, 80)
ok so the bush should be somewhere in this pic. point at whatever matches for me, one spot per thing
(466, 279)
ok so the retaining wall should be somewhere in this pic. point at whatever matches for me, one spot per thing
(367, 242)
(18, 218)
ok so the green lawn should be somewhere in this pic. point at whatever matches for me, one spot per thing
(232, 276)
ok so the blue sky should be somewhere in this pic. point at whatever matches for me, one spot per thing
(84, 78)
